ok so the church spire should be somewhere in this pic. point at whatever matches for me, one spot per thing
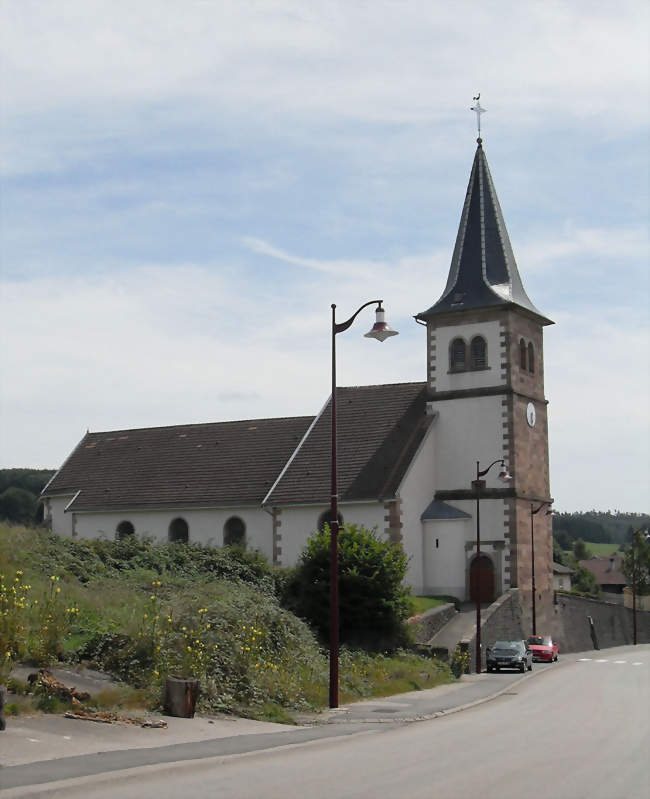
(483, 270)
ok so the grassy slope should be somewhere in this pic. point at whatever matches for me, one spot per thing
(140, 611)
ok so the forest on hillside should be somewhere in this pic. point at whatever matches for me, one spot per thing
(597, 527)
(19, 492)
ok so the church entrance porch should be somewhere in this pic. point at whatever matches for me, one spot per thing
(481, 579)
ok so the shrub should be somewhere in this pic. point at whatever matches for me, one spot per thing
(459, 663)
(373, 602)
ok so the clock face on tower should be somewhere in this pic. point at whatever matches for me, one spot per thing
(530, 414)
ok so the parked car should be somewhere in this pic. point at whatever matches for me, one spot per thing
(509, 655)
(543, 647)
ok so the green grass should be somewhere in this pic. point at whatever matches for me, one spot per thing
(601, 550)
(141, 611)
(423, 603)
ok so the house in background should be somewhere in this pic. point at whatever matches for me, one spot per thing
(407, 452)
(561, 577)
(608, 574)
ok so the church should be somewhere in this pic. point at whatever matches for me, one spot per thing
(409, 454)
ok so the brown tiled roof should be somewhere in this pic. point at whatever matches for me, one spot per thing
(196, 465)
(602, 570)
(379, 430)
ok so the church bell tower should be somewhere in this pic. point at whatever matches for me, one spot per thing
(485, 375)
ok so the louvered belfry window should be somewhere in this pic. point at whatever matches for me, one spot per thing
(522, 353)
(479, 352)
(457, 355)
(531, 357)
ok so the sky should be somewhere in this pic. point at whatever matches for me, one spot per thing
(187, 187)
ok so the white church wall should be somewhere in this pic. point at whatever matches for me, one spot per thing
(416, 492)
(468, 429)
(493, 543)
(452, 381)
(444, 556)
(298, 523)
(206, 526)
(61, 522)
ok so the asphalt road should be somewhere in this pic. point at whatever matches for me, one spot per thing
(581, 730)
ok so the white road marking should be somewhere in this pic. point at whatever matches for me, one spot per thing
(583, 660)
(34, 740)
(601, 660)
(620, 661)
(638, 663)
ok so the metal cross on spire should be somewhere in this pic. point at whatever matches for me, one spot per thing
(478, 110)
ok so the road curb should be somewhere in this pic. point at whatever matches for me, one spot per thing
(438, 713)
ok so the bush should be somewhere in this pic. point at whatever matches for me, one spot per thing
(373, 602)
(459, 663)
(17, 505)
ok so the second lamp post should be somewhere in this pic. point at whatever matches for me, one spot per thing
(533, 512)
(478, 485)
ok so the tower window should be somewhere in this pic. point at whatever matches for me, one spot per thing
(458, 355)
(124, 529)
(179, 531)
(531, 357)
(478, 349)
(234, 532)
(522, 353)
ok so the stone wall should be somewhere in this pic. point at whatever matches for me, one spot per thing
(612, 624)
(432, 621)
(502, 621)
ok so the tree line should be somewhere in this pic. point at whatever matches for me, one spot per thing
(597, 527)
(19, 492)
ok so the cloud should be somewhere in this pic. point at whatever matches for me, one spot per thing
(389, 61)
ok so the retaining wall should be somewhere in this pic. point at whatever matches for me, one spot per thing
(577, 623)
(500, 622)
(432, 621)
(610, 625)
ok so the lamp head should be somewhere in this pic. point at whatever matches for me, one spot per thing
(504, 474)
(380, 330)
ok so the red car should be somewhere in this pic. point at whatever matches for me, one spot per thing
(543, 647)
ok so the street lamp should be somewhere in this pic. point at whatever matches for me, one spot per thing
(478, 486)
(379, 331)
(533, 512)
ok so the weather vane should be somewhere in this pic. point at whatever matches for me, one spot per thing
(478, 110)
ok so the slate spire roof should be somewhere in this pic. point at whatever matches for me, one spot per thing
(483, 270)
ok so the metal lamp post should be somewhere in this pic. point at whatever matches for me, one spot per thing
(533, 512)
(380, 331)
(478, 486)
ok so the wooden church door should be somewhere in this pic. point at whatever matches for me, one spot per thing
(481, 580)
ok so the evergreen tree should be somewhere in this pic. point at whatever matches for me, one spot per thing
(636, 564)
